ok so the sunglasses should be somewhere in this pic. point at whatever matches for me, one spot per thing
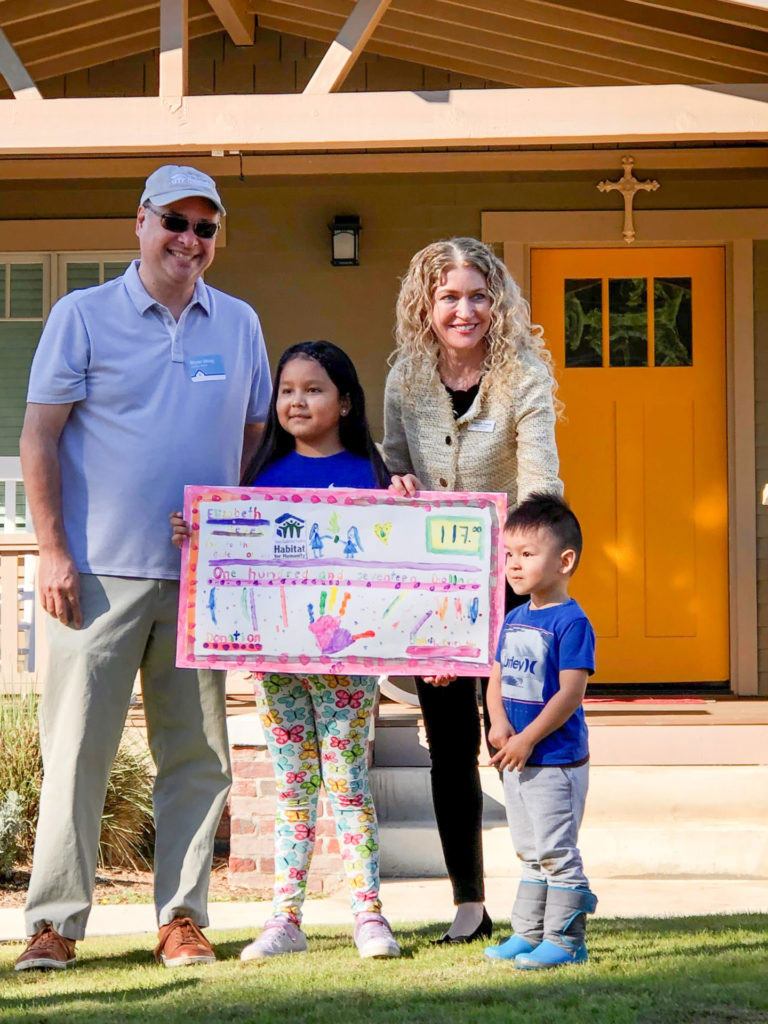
(177, 225)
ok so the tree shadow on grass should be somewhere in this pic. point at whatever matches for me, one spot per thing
(36, 1006)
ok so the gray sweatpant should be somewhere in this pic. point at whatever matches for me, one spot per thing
(127, 624)
(545, 806)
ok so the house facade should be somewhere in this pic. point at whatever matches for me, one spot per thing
(614, 153)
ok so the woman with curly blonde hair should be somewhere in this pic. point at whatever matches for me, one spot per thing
(469, 406)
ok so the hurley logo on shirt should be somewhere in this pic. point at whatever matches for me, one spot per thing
(519, 664)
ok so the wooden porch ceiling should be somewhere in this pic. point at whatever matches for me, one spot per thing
(522, 43)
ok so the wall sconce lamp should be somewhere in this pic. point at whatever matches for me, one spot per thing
(764, 495)
(345, 240)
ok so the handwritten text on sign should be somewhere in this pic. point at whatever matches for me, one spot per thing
(341, 581)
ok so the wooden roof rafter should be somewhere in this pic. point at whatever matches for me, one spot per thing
(339, 59)
(237, 19)
(525, 15)
(12, 11)
(628, 13)
(121, 30)
(521, 43)
(516, 68)
(504, 50)
(47, 30)
(752, 13)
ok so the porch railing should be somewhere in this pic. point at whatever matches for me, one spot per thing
(22, 637)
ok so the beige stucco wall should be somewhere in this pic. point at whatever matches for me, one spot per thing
(278, 252)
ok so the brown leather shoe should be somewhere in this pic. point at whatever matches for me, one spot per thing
(47, 950)
(182, 943)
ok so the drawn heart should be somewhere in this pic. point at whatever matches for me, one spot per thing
(382, 531)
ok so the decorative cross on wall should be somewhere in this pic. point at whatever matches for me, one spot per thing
(628, 185)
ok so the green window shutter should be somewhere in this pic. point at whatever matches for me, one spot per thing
(82, 275)
(20, 326)
(113, 270)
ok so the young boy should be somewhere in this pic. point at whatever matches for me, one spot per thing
(545, 653)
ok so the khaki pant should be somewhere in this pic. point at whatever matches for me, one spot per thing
(127, 624)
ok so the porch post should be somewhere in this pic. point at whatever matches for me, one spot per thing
(15, 74)
(174, 43)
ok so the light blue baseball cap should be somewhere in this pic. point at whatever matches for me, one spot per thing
(174, 181)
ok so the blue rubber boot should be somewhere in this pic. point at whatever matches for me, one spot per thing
(527, 922)
(547, 955)
(508, 949)
(565, 928)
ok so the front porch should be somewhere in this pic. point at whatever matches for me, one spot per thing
(679, 783)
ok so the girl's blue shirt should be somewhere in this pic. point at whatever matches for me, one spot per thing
(341, 470)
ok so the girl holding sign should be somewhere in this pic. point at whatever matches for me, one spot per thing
(317, 727)
(469, 406)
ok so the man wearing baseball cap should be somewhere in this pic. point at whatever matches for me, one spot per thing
(139, 386)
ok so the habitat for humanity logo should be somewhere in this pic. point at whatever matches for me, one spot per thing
(289, 526)
(289, 539)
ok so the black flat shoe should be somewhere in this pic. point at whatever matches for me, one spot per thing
(483, 931)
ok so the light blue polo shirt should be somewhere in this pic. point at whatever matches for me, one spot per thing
(157, 405)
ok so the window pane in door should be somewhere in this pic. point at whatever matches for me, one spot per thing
(2, 289)
(583, 322)
(628, 321)
(26, 290)
(673, 321)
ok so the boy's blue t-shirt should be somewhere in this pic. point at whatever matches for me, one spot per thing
(341, 470)
(534, 646)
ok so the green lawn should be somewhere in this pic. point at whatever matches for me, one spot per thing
(711, 970)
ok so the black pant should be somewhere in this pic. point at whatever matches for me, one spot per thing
(452, 723)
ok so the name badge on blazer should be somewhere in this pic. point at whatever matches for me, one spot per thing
(203, 368)
(484, 426)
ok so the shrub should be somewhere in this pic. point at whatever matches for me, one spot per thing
(127, 831)
(21, 766)
(10, 826)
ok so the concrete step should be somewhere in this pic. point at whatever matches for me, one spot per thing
(669, 795)
(412, 849)
(668, 821)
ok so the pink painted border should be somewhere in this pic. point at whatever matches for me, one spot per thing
(350, 665)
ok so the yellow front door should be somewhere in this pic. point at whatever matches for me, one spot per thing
(638, 338)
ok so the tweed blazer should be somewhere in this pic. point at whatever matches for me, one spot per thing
(504, 442)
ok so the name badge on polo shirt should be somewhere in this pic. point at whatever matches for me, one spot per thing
(203, 368)
(485, 426)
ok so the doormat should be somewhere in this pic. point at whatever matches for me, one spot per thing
(647, 700)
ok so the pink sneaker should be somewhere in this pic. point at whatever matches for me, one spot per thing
(278, 936)
(373, 936)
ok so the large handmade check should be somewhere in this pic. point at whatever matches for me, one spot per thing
(341, 581)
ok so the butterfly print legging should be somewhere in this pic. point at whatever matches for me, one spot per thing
(317, 731)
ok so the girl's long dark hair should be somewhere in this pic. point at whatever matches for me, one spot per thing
(354, 432)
